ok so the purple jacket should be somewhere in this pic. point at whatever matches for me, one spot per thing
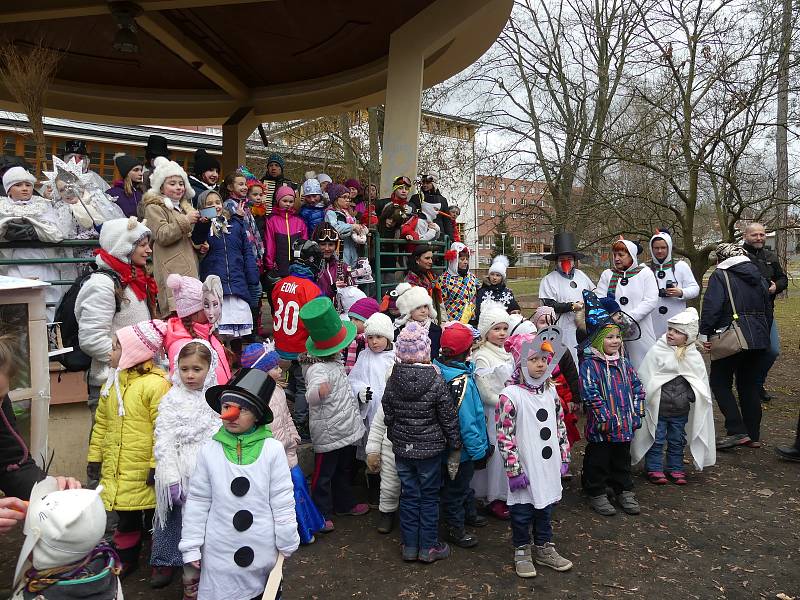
(127, 203)
(283, 228)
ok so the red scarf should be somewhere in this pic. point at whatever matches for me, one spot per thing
(142, 284)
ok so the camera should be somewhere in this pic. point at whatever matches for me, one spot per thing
(662, 293)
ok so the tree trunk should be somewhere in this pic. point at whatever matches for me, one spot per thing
(781, 144)
(350, 166)
(374, 162)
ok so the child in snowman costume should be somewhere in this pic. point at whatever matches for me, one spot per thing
(531, 438)
(64, 555)
(239, 514)
(676, 282)
(634, 288)
(678, 403)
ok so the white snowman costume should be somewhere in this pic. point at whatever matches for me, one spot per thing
(637, 295)
(236, 520)
(677, 272)
(559, 288)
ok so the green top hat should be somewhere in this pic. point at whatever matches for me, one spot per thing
(327, 333)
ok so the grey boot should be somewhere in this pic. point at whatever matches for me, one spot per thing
(523, 564)
(548, 556)
(602, 506)
(629, 503)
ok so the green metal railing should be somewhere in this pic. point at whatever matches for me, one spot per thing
(61, 260)
(387, 247)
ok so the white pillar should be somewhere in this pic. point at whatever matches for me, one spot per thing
(235, 132)
(403, 111)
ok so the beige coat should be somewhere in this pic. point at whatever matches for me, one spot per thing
(173, 251)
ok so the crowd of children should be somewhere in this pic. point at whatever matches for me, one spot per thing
(196, 432)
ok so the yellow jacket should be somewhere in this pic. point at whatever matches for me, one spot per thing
(124, 444)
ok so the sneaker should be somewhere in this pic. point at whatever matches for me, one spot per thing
(161, 577)
(523, 564)
(548, 556)
(328, 526)
(311, 540)
(356, 511)
(499, 510)
(410, 553)
(386, 522)
(438, 552)
(476, 520)
(753, 444)
(629, 503)
(602, 506)
(460, 537)
(656, 477)
(678, 477)
(731, 441)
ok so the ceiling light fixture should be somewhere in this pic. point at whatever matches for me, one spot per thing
(124, 12)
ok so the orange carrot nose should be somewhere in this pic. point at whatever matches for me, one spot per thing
(545, 346)
(231, 414)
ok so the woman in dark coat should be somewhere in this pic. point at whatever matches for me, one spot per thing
(751, 297)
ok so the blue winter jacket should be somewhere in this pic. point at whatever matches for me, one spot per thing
(613, 394)
(460, 380)
(313, 216)
(231, 257)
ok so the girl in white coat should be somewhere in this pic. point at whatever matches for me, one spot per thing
(676, 282)
(493, 368)
(634, 287)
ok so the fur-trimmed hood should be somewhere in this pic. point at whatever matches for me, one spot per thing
(154, 197)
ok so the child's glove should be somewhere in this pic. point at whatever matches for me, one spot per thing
(93, 471)
(176, 494)
(518, 482)
(365, 396)
(453, 462)
(151, 477)
(374, 462)
(564, 468)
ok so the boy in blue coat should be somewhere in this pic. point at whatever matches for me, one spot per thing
(458, 498)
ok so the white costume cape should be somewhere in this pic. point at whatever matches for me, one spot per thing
(660, 366)
(556, 287)
(681, 274)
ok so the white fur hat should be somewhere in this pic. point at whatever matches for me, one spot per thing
(167, 168)
(61, 527)
(324, 177)
(492, 313)
(16, 175)
(687, 322)
(517, 324)
(379, 324)
(410, 297)
(119, 237)
(499, 265)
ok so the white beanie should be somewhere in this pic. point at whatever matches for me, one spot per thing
(323, 177)
(119, 237)
(687, 322)
(410, 297)
(167, 168)
(499, 265)
(517, 324)
(379, 324)
(492, 313)
(16, 175)
(311, 187)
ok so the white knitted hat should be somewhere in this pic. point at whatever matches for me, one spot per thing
(687, 322)
(410, 297)
(167, 168)
(379, 324)
(119, 237)
(492, 313)
(517, 324)
(499, 265)
(16, 175)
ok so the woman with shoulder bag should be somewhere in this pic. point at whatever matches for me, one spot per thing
(736, 320)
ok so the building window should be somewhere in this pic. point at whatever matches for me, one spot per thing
(513, 201)
(522, 189)
(503, 200)
(491, 213)
(502, 186)
(491, 186)
(480, 212)
(480, 185)
(512, 188)
(491, 199)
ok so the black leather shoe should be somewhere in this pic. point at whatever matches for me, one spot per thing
(461, 538)
(476, 521)
(788, 453)
(764, 395)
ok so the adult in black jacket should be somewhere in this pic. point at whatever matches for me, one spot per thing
(753, 306)
(767, 262)
(431, 203)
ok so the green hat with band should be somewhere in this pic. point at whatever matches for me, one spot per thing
(327, 333)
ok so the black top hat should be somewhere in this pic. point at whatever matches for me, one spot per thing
(156, 146)
(75, 147)
(564, 243)
(253, 385)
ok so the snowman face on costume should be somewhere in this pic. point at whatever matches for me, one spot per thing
(550, 335)
(212, 307)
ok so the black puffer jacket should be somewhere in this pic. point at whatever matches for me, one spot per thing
(751, 296)
(419, 414)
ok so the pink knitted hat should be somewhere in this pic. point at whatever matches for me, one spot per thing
(284, 190)
(413, 344)
(188, 294)
(140, 342)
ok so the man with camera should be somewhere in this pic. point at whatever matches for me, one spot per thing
(676, 283)
(433, 205)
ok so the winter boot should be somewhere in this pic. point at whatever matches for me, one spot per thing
(602, 506)
(629, 503)
(460, 537)
(128, 544)
(161, 577)
(191, 581)
(386, 522)
(546, 555)
(523, 564)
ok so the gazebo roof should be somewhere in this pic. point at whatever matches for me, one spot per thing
(202, 60)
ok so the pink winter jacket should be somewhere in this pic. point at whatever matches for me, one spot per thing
(282, 426)
(283, 228)
(177, 336)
